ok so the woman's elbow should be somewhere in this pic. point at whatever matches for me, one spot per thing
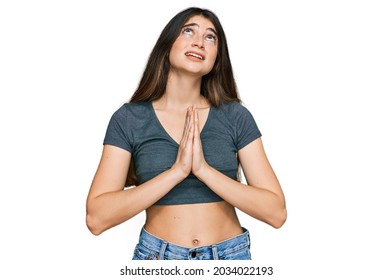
(93, 225)
(280, 218)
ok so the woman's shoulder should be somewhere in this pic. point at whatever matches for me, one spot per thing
(233, 108)
(139, 109)
(132, 117)
(132, 114)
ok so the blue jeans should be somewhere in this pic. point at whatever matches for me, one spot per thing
(151, 247)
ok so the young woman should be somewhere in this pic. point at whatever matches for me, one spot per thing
(177, 144)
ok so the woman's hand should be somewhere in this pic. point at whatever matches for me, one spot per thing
(198, 161)
(190, 157)
(184, 156)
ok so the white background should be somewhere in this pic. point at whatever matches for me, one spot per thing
(315, 74)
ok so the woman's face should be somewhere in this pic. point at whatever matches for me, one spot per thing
(195, 49)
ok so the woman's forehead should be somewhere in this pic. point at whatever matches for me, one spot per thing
(200, 19)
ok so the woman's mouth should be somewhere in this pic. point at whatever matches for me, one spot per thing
(196, 55)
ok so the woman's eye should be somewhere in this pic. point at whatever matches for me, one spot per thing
(187, 31)
(211, 38)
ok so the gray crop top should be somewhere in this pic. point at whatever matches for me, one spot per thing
(136, 128)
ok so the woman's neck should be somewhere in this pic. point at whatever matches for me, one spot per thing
(182, 92)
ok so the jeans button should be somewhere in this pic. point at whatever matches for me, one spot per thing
(193, 254)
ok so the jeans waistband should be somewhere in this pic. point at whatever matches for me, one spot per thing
(213, 251)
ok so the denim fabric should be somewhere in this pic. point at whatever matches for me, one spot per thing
(151, 247)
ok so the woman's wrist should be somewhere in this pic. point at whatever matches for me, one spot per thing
(203, 171)
(178, 172)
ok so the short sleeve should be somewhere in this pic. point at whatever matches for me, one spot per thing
(117, 133)
(245, 126)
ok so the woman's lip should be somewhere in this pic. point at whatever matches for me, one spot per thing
(195, 54)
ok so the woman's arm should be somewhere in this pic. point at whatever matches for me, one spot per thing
(262, 198)
(109, 205)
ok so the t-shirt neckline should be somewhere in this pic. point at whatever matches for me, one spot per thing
(162, 128)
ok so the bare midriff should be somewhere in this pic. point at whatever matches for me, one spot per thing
(193, 225)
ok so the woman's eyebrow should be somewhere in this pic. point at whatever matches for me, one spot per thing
(195, 24)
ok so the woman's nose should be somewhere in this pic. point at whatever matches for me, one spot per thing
(199, 42)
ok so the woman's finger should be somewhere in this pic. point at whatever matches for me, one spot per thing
(186, 128)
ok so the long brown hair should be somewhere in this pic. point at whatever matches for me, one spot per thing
(218, 86)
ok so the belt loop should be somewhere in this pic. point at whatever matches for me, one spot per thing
(162, 251)
(215, 252)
